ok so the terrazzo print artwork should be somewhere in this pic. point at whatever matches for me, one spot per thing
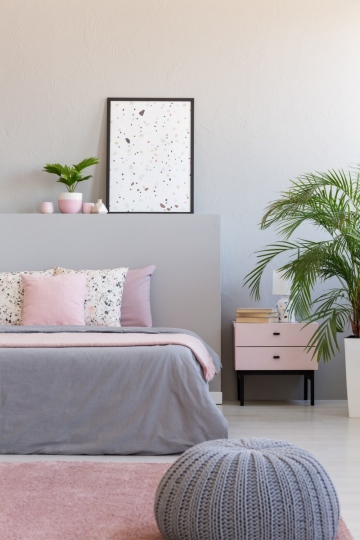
(150, 156)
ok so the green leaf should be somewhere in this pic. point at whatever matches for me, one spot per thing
(54, 168)
(330, 202)
(66, 181)
(81, 179)
(87, 162)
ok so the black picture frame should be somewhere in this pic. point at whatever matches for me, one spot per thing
(150, 155)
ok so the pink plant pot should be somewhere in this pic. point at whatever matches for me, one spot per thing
(70, 203)
(87, 207)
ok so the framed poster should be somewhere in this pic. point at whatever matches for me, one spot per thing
(150, 155)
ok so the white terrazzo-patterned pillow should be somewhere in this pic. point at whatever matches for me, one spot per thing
(104, 289)
(12, 295)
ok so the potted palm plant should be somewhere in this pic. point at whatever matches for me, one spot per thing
(330, 202)
(70, 202)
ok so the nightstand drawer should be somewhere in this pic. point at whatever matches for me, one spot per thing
(274, 358)
(273, 334)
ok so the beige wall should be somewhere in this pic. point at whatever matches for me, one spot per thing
(276, 88)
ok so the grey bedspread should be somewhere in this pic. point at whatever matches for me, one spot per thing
(104, 400)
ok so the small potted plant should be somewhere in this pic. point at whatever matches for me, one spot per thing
(70, 202)
(330, 202)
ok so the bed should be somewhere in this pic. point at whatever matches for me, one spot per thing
(114, 389)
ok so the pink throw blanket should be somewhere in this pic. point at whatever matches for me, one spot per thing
(66, 339)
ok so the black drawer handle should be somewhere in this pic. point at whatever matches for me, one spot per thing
(276, 333)
(276, 357)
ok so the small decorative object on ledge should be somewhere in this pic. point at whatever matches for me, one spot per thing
(47, 208)
(256, 315)
(87, 207)
(70, 202)
(99, 208)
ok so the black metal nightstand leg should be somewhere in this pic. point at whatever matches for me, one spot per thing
(240, 382)
(305, 387)
(312, 383)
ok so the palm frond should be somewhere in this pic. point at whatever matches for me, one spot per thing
(54, 168)
(323, 343)
(330, 201)
(82, 178)
(265, 256)
(325, 199)
(87, 162)
(64, 180)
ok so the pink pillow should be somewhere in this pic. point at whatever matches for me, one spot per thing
(54, 300)
(135, 304)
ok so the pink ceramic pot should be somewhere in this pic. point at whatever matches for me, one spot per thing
(87, 207)
(70, 203)
(47, 208)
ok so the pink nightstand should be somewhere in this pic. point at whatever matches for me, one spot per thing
(274, 349)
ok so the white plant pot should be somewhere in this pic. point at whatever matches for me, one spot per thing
(352, 365)
(70, 203)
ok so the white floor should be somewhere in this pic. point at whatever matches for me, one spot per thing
(325, 430)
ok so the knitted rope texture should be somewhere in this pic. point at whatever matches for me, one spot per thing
(247, 489)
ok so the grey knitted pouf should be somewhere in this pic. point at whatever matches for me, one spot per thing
(247, 489)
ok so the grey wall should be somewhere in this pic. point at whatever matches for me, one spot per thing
(276, 94)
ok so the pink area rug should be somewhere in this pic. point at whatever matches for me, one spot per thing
(82, 501)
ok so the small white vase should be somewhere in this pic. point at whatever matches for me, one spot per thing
(99, 208)
(70, 203)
